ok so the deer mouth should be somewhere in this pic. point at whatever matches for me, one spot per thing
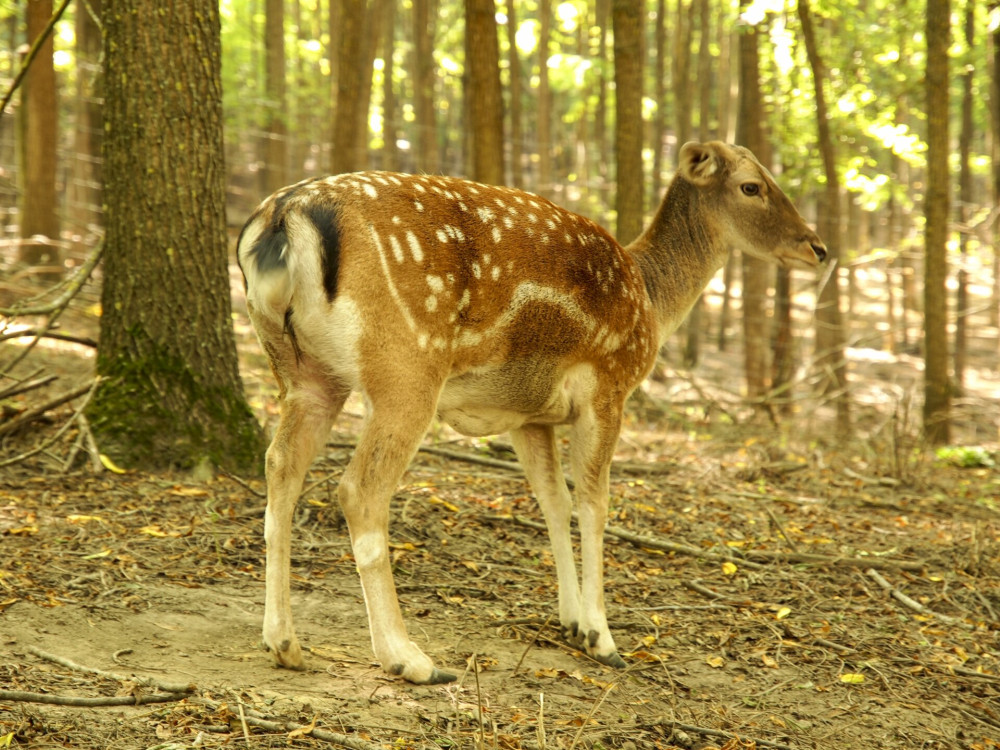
(808, 254)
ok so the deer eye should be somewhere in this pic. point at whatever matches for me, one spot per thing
(750, 188)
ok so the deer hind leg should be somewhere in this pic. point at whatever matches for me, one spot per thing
(306, 417)
(392, 433)
(592, 445)
(536, 448)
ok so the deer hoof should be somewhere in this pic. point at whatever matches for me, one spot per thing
(611, 660)
(288, 655)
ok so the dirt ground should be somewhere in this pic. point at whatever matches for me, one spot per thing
(768, 585)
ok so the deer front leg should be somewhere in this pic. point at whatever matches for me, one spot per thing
(592, 446)
(536, 449)
(387, 443)
(305, 423)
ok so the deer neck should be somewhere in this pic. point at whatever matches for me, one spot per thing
(678, 254)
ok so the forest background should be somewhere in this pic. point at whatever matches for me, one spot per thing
(837, 98)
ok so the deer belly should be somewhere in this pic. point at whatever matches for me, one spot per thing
(492, 402)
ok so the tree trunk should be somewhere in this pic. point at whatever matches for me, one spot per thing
(516, 128)
(627, 19)
(937, 395)
(995, 165)
(275, 154)
(544, 147)
(38, 215)
(390, 149)
(965, 212)
(660, 92)
(346, 154)
(830, 334)
(427, 155)
(756, 272)
(172, 395)
(482, 58)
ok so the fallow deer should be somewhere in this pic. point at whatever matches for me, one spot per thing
(497, 311)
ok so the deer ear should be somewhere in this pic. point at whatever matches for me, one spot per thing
(700, 163)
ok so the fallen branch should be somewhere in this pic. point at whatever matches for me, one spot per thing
(19, 696)
(57, 335)
(648, 542)
(26, 385)
(62, 661)
(31, 415)
(916, 606)
(255, 719)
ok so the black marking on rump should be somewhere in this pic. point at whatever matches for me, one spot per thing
(324, 217)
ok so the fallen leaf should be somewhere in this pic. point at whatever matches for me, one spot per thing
(782, 613)
(76, 518)
(716, 662)
(110, 465)
(729, 568)
(852, 678)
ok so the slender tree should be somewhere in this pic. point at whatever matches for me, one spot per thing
(171, 394)
(756, 272)
(627, 18)
(38, 215)
(346, 153)
(275, 152)
(427, 155)
(965, 199)
(516, 107)
(482, 59)
(544, 146)
(937, 397)
(830, 332)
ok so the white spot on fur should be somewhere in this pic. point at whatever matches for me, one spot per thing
(476, 270)
(415, 248)
(485, 214)
(435, 283)
(496, 235)
(397, 248)
(418, 205)
(431, 303)
(495, 273)
(370, 191)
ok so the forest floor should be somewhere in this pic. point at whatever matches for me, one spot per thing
(769, 585)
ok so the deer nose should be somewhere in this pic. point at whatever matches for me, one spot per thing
(820, 249)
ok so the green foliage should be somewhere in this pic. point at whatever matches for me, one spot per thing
(966, 456)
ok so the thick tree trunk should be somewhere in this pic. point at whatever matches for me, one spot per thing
(937, 201)
(172, 395)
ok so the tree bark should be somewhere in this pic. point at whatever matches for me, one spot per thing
(627, 19)
(390, 150)
(346, 154)
(516, 101)
(38, 214)
(937, 396)
(427, 156)
(482, 58)
(756, 272)
(275, 154)
(544, 147)
(172, 395)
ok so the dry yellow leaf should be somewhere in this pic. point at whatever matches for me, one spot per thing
(110, 465)
(852, 678)
(729, 568)
(716, 662)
